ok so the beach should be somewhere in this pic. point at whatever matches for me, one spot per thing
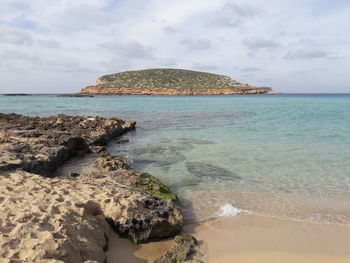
(251, 239)
(252, 178)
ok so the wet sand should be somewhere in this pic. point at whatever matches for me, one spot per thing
(250, 238)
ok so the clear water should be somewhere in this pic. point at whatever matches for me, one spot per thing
(281, 155)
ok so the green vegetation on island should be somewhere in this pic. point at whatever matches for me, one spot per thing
(170, 81)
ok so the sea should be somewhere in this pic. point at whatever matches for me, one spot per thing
(283, 156)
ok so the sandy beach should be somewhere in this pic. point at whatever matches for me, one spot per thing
(250, 239)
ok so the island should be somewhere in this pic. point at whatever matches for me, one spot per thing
(167, 81)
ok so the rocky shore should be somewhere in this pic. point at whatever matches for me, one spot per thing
(54, 219)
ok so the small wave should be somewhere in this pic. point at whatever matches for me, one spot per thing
(228, 209)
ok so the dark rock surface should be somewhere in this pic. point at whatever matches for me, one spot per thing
(77, 95)
(184, 249)
(40, 144)
(122, 141)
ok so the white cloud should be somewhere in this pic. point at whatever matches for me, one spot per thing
(15, 36)
(257, 42)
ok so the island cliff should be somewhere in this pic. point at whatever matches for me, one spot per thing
(170, 82)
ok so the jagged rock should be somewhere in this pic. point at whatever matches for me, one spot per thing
(123, 141)
(106, 162)
(73, 213)
(40, 144)
(184, 249)
(56, 219)
(116, 166)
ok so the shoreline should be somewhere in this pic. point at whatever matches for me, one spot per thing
(252, 238)
(245, 238)
(70, 219)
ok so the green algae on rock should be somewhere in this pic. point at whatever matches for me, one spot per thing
(143, 181)
(154, 186)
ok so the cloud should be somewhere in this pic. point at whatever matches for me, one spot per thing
(197, 44)
(205, 67)
(63, 37)
(15, 36)
(15, 55)
(48, 43)
(168, 62)
(132, 49)
(307, 54)
(250, 69)
(171, 30)
(233, 14)
(257, 43)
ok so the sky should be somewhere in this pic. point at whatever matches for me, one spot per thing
(61, 46)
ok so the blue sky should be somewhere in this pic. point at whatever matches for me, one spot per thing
(63, 45)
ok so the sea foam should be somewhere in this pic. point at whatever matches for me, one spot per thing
(228, 209)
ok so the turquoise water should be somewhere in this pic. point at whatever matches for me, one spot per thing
(281, 155)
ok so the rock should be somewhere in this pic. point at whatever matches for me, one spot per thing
(66, 219)
(194, 141)
(161, 156)
(204, 169)
(74, 174)
(110, 163)
(47, 219)
(16, 94)
(184, 249)
(77, 95)
(97, 149)
(41, 144)
(116, 167)
(123, 141)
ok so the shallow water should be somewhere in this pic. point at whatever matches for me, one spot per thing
(281, 155)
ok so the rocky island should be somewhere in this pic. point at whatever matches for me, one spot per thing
(70, 218)
(170, 82)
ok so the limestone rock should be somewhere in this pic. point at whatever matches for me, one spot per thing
(116, 166)
(184, 249)
(66, 219)
(41, 221)
(106, 162)
(40, 144)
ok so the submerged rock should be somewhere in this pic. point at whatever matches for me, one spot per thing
(110, 163)
(161, 156)
(209, 170)
(116, 166)
(184, 249)
(122, 141)
(194, 141)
